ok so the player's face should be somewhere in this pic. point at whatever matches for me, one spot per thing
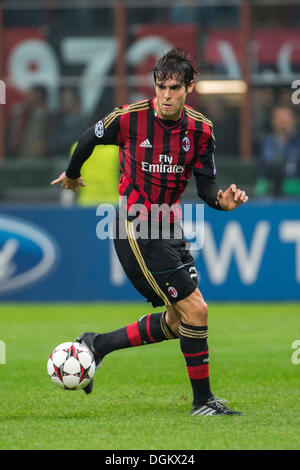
(170, 98)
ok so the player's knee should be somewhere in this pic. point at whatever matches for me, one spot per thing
(197, 314)
(202, 312)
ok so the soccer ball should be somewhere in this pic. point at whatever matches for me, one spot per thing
(71, 366)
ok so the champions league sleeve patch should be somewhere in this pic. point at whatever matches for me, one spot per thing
(214, 165)
(99, 129)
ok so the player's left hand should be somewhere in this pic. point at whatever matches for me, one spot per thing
(232, 198)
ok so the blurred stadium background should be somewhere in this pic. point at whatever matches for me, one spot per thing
(64, 65)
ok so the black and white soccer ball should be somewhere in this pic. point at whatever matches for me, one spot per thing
(71, 366)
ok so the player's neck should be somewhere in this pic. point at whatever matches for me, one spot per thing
(160, 115)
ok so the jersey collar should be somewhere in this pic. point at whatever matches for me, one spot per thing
(161, 121)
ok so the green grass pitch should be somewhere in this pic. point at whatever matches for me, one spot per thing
(142, 395)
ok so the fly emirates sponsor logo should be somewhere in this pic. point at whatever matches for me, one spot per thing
(163, 166)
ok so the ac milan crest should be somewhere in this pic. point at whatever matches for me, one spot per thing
(172, 292)
(186, 144)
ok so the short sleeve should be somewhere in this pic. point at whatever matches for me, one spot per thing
(204, 162)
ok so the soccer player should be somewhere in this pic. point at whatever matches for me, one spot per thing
(162, 142)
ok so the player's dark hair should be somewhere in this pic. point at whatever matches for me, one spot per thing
(174, 64)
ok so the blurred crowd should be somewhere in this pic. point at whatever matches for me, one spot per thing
(35, 130)
(276, 135)
(174, 11)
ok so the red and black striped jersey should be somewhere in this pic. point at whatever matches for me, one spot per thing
(157, 158)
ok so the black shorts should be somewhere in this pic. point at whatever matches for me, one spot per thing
(162, 270)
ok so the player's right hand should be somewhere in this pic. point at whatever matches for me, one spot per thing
(68, 183)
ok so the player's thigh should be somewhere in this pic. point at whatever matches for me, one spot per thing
(172, 267)
(129, 253)
(162, 270)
